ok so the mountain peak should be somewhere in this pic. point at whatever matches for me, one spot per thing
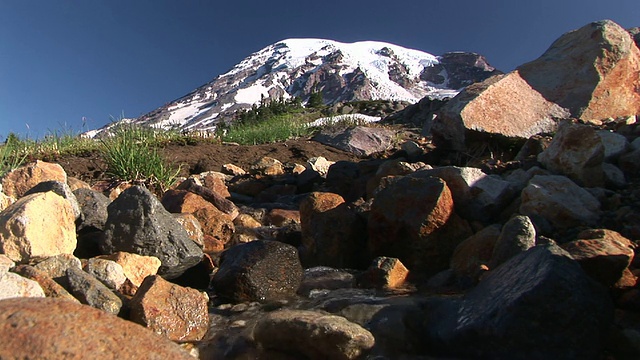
(296, 67)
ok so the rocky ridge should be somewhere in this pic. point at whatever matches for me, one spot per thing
(432, 250)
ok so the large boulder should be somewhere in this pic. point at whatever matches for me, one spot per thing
(18, 181)
(413, 219)
(503, 106)
(332, 233)
(313, 335)
(538, 305)
(560, 201)
(37, 226)
(359, 140)
(60, 329)
(139, 224)
(261, 270)
(593, 71)
(179, 313)
(577, 152)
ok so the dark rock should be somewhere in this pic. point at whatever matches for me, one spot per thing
(517, 235)
(541, 296)
(462, 68)
(92, 292)
(94, 209)
(139, 224)
(260, 270)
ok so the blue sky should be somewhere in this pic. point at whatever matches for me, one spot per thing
(64, 61)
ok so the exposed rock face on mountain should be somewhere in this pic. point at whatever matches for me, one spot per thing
(342, 72)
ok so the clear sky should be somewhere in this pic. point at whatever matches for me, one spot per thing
(63, 61)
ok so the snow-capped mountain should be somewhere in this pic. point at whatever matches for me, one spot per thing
(367, 70)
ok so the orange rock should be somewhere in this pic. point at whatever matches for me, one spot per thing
(136, 267)
(18, 181)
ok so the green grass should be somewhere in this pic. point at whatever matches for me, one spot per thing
(274, 129)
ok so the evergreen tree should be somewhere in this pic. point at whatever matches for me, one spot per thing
(315, 99)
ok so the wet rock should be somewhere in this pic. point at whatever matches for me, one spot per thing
(541, 296)
(37, 226)
(503, 106)
(590, 71)
(138, 223)
(332, 232)
(321, 279)
(560, 201)
(17, 182)
(60, 329)
(603, 254)
(577, 152)
(177, 312)
(108, 272)
(518, 235)
(135, 267)
(92, 292)
(413, 220)
(313, 335)
(359, 140)
(214, 222)
(94, 209)
(60, 188)
(260, 270)
(472, 256)
(384, 273)
(49, 286)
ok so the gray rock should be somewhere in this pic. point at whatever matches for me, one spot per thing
(630, 162)
(139, 224)
(614, 144)
(108, 272)
(313, 335)
(260, 270)
(541, 296)
(517, 235)
(359, 140)
(60, 188)
(56, 267)
(92, 292)
(94, 208)
(613, 176)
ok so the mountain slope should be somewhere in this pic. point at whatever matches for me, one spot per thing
(365, 70)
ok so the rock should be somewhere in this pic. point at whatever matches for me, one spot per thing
(603, 254)
(17, 182)
(462, 69)
(135, 267)
(94, 209)
(267, 166)
(56, 267)
(630, 162)
(413, 220)
(177, 312)
(60, 188)
(232, 169)
(613, 177)
(313, 335)
(282, 217)
(37, 226)
(138, 223)
(260, 270)
(214, 222)
(540, 296)
(319, 279)
(384, 273)
(191, 224)
(13, 285)
(477, 196)
(5, 201)
(472, 255)
(614, 144)
(108, 272)
(577, 152)
(391, 168)
(215, 181)
(60, 329)
(332, 232)
(503, 106)
(51, 288)
(5, 264)
(222, 204)
(517, 235)
(359, 140)
(75, 183)
(92, 292)
(591, 71)
(320, 165)
(560, 201)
